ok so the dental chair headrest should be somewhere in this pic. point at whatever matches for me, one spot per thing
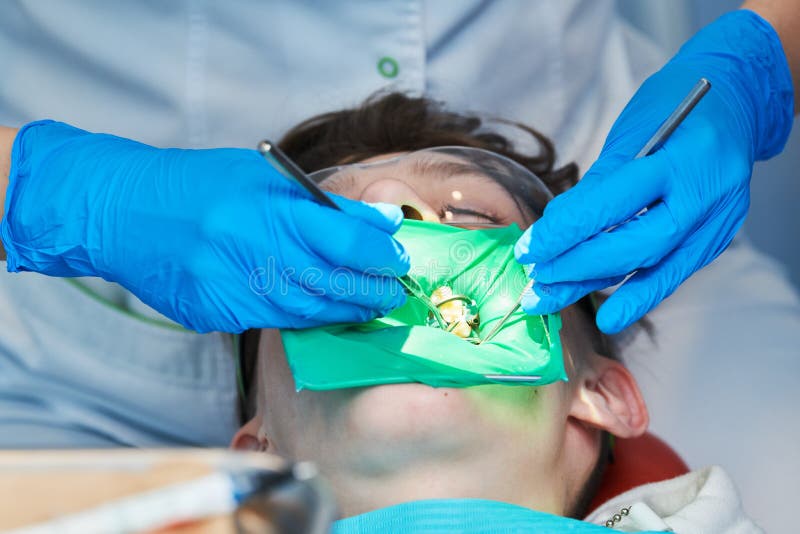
(636, 462)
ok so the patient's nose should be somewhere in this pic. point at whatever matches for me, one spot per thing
(397, 192)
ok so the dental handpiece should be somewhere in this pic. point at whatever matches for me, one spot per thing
(289, 169)
(654, 143)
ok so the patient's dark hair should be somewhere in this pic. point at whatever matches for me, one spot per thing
(395, 122)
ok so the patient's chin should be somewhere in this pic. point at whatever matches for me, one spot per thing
(410, 412)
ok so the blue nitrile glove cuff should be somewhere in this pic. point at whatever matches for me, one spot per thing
(763, 89)
(17, 179)
(63, 182)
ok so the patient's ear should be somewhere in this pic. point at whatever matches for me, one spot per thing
(609, 398)
(248, 438)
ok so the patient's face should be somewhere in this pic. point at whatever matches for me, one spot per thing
(383, 445)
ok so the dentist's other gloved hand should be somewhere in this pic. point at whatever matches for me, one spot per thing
(213, 239)
(696, 186)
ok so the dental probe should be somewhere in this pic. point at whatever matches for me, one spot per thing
(289, 169)
(654, 143)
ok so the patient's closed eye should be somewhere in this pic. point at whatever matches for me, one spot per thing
(450, 213)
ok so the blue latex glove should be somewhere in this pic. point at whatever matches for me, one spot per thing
(213, 239)
(696, 186)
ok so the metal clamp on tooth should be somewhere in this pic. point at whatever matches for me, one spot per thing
(459, 312)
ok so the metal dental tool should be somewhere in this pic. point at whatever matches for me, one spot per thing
(654, 143)
(676, 118)
(289, 169)
(503, 320)
(514, 378)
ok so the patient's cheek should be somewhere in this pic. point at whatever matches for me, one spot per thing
(409, 411)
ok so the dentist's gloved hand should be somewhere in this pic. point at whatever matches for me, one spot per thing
(213, 239)
(696, 186)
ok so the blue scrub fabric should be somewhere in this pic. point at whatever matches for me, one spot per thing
(78, 369)
(466, 516)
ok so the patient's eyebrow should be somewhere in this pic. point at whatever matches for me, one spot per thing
(446, 169)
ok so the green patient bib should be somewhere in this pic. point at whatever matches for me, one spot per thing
(401, 347)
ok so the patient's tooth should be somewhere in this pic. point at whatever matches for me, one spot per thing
(458, 311)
